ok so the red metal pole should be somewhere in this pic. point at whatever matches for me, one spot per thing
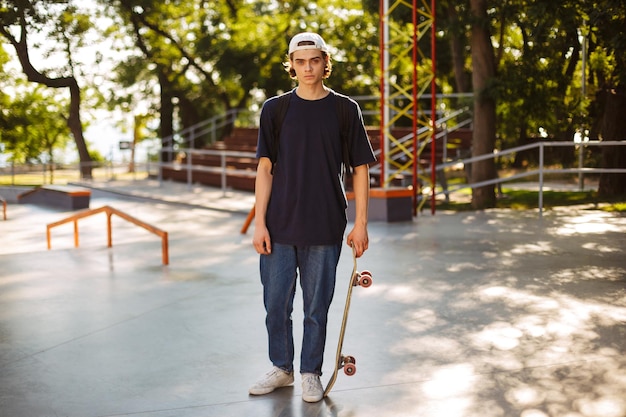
(433, 106)
(382, 137)
(415, 110)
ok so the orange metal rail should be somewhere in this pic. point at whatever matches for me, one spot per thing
(110, 211)
(249, 219)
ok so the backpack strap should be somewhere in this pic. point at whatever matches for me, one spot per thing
(343, 113)
(282, 103)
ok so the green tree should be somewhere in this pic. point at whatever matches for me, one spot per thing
(607, 39)
(60, 23)
(483, 80)
(35, 128)
(538, 55)
(535, 81)
(5, 99)
(209, 57)
(188, 61)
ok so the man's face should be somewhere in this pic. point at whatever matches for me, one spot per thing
(309, 65)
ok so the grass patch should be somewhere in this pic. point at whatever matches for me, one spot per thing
(614, 207)
(62, 177)
(33, 180)
(524, 200)
(528, 200)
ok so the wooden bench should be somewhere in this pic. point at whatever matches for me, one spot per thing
(67, 197)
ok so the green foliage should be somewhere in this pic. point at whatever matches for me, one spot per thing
(4, 97)
(214, 56)
(207, 57)
(96, 156)
(616, 207)
(606, 21)
(538, 61)
(34, 127)
(539, 80)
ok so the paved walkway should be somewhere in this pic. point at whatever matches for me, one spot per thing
(488, 314)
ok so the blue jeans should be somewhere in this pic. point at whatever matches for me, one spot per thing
(317, 266)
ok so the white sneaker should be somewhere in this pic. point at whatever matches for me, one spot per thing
(275, 378)
(312, 390)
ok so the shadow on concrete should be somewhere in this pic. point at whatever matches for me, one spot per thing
(484, 314)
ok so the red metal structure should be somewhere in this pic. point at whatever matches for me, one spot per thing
(401, 94)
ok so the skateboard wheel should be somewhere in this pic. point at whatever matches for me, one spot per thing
(365, 281)
(349, 369)
(366, 272)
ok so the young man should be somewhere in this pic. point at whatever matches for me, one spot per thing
(301, 209)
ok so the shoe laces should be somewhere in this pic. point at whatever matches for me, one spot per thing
(311, 382)
(275, 373)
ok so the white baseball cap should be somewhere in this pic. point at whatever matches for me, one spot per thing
(307, 38)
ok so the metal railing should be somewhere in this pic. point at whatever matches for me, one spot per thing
(153, 169)
(448, 124)
(109, 212)
(210, 127)
(541, 170)
(62, 173)
(223, 170)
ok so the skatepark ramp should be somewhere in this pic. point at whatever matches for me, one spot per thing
(110, 211)
(67, 197)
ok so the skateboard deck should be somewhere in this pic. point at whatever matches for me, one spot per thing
(347, 362)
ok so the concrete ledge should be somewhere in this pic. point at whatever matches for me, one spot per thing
(11, 193)
(67, 197)
(386, 204)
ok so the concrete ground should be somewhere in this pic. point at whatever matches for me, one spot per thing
(477, 314)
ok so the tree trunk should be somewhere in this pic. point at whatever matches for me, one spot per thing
(166, 117)
(613, 128)
(76, 127)
(456, 47)
(484, 136)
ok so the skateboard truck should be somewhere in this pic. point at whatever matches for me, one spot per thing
(347, 362)
(349, 365)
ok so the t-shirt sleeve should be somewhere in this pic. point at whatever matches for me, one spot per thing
(264, 141)
(361, 151)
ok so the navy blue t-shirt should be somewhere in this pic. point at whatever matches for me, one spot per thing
(307, 204)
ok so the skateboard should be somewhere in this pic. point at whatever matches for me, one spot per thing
(347, 362)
